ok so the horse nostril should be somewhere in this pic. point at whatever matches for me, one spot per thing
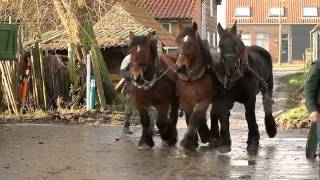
(181, 68)
(137, 77)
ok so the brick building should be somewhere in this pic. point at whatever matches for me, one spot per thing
(258, 21)
(203, 12)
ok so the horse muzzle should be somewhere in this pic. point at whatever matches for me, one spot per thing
(181, 68)
(137, 77)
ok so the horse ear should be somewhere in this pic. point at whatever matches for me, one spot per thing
(131, 36)
(234, 28)
(149, 37)
(220, 29)
(194, 26)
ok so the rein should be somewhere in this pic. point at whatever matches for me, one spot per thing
(149, 84)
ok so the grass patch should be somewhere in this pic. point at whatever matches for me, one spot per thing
(292, 84)
(296, 117)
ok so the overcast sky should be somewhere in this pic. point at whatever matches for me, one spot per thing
(221, 14)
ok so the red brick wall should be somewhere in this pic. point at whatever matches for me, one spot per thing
(272, 30)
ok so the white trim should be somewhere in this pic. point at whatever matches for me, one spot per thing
(170, 26)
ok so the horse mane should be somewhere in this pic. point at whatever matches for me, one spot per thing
(204, 46)
(140, 40)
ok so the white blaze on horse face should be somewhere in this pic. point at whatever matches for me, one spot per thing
(138, 50)
(185, 39)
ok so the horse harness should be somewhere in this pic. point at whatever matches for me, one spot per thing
(147, 85)
(229, 81)
(194, 74)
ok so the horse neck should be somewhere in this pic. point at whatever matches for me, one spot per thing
(198, 58)
(151, 70)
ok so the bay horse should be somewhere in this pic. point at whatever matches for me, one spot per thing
(153, 85)
(195, 86)
(242, 72)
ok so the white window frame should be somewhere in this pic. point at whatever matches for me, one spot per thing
(267, 38)
(307, 10)
(170, 26)
(242, 12)
(250, 39)
(275, 11)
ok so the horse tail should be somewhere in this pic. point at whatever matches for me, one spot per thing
(266, 92)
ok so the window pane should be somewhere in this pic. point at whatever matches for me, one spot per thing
(243, 11)
(275, 11)
(246, 38)
(310, 11)
(263, 40)
(166, 26)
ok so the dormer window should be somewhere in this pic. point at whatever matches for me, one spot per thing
(276, 11)
(242, 12)
(310, 11)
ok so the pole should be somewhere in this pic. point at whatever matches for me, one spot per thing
(280, 35)
(88, 81)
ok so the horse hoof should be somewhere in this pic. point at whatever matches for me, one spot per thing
(187, 144)
(144, 147)
(224, 149)
(214, 142)
(171, 142)
(253, 146)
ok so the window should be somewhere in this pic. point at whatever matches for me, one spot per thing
(275, 11)
(263, 40)
(246, 38)
(242, 12)
(310, 11)
(208, 38)
(167, 26)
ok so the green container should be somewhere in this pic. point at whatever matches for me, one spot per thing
(312, 141)
(92, 94)
(8, 41)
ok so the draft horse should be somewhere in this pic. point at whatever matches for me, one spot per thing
(242, 72)
(195, 86)
(153, 85)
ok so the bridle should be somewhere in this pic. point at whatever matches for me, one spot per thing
(194, 74)
(157, 75)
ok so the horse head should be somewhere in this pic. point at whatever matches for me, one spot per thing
(232, 50)
(143, 50)
(189, 44)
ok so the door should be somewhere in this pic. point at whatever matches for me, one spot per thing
(284, 48)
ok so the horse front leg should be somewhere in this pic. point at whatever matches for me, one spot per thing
(269, 121)
(146, 138)
(225, 140)
(214, 130)
(253, 134)
(190, 139)
(167, 127)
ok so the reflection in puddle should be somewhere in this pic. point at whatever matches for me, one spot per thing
(239, 163)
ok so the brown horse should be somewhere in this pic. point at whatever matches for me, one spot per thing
(153, 85)
(195, 86)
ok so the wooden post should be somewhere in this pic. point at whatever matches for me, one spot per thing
(44, 89)
(99, 81)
